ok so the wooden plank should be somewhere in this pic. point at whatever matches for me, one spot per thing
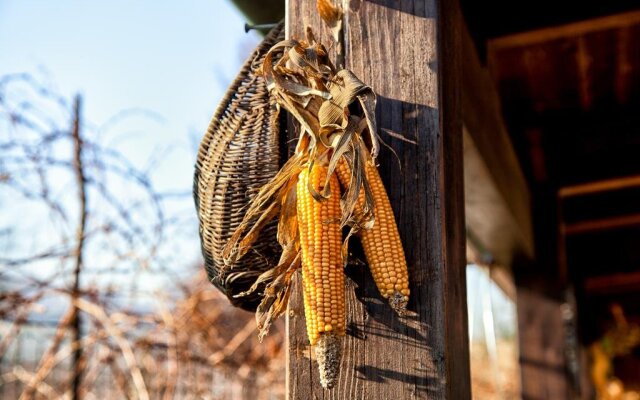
(494, 182)
(584, 62)
(575, 29)
(605, 185)
(500, 237)
(503, 277)
(601, 224)
(393, 46)
(616, 283)
(627, 63)
(541, 336)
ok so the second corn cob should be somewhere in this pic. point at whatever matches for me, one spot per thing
(381, 242)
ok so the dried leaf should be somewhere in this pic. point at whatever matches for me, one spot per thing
(398, 136)
(332, 16)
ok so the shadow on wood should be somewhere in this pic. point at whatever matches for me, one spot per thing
(402, 6)
(423, 384)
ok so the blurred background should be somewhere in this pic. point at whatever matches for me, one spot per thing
(102, 291)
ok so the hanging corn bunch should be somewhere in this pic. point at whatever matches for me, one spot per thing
(258, 225)
(330, 182)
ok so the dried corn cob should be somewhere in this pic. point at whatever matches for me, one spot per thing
(322, 269)
(381, 242)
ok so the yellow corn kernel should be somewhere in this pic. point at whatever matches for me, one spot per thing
(381, 242)
(322, 265)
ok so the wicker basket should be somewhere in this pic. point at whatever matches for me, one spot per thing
(238, 154)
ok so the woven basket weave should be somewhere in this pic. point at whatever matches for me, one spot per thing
(238, 154)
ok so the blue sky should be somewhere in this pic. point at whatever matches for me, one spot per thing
(171, 58)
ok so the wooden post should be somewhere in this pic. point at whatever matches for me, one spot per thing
(542, 341)
(408, 52)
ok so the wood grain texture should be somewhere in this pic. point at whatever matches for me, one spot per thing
(408, 51)
(587, 66)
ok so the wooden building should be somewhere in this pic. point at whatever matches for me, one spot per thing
(526, 119)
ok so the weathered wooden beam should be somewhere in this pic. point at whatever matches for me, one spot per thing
(409, 53)
(541, 334)
(488, 216)
(605, 185)
(615, 283)
(602, 224)
(497, 198)
(574, 29)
